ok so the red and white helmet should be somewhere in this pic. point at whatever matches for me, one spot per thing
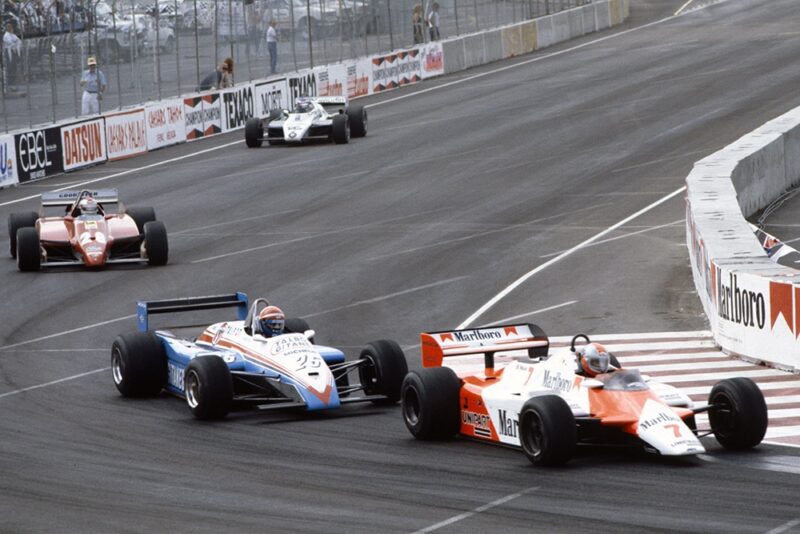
(593, 359)
(270, 321)
(88, 206)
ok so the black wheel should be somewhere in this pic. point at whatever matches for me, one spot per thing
(358, 121)
(547, 432)
(29, 256)
(430, 403)
(340, 129)
(208, 387)
(15, 222)
(296, 325)
(141, 216)
(253, 133)
(138, 364)
(155, 243)
(384, 370)
(738, 414)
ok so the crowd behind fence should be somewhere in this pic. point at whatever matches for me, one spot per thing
(157, 49)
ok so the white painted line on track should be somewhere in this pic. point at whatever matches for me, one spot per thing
(520, 316)
(60, 380)
(478, 510)
(684, 6)
(65, 332)
(236, 221)
(784, 527)
(522, 279)
(624, 236)
(123, 173)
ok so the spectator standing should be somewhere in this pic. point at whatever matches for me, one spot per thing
(94, 85)
(226, 80)
(416, 23)
(272, 46)
(433, 22)
(12, 51)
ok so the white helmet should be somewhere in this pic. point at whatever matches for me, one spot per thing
(593, 359)
(88, 206)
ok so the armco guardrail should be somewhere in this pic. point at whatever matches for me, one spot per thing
(752, 303)
(47, 151)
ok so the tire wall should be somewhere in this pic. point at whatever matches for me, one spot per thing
(752, 303)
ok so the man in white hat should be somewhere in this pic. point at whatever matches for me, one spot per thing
(93, 82)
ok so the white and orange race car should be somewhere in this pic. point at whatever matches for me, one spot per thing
(90, 228)
(546, 404)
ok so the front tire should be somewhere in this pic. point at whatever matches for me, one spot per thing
(340, 129)
(15, 222)
(738, 414)
(141, 216)
(155, 243)
(138, 364)
(383, 371)
(548, 433)
(358, 121)
(208, 387)
(253, 133)
(29, 255)
(430, 403)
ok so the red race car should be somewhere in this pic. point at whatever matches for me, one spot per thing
(89, 228)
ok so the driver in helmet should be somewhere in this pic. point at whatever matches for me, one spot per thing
(88, 206)
(304, 105)
(271, 321)
(593, 359)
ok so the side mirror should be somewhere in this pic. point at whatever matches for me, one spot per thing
(309, 333)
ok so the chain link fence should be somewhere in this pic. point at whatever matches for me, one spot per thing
(158, 49)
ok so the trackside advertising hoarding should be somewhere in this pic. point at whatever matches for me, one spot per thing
(332, 80)
(359, 78)
(432, 60)
(203, 116)
(38, 154)
(165, 123)
(83, 144)
(126, 134)
(8, 161)
(238, 105)
(271, 95)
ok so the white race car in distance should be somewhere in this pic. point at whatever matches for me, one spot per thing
(312, 119)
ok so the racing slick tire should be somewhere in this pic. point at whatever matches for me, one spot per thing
(340, 129)
(253, 133)
(430, 403)
(296, 325)
(29, 257)
(208, 387)
(738, 413)
(138, 364)
(155, 243)
(547, 432)
(141, 216)
(15, 222)
(358, 121)
(383, 371)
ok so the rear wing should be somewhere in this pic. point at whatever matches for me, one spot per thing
(438, 345)
(325, 100)
(146, 308)
(65, 198)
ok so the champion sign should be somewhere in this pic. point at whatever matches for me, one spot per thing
(83, 144)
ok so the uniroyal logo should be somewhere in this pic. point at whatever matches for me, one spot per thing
(747, 308)
(478, 420)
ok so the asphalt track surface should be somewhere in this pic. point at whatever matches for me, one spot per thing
(456, 193)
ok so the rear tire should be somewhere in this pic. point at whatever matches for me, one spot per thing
(548, 433)
(138, 364)
(155, 243)
(384, 370)
(358, 121)
(253, 133)
(340, 129)
(738, 416)
(208, 387)
(15, 222)
(29, 256)
(430, 403)
(141, 216)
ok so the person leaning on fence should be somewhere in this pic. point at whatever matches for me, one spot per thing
(221, 78)
(433, 21)
(416, 23)
(12, 52)
(226, 79)
(272, 45)
(94, 85)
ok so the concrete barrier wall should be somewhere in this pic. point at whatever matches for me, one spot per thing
(752, 303)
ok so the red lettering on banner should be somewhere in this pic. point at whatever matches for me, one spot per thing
(780, 303)
(156, 118)
(796, 311)
(175, 114)
(82, 144)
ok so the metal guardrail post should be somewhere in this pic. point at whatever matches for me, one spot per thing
(230, 27)
(3, 86)
(310, 40)
(196, 44)
(118, 57)
(391, 26)
(216, 35)
(157, 49)
(176, 32)
(458, 29)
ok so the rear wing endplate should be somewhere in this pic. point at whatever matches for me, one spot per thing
(438, 345)
(65, 198)
(146, 308)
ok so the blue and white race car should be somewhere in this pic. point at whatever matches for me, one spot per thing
(232, 365)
